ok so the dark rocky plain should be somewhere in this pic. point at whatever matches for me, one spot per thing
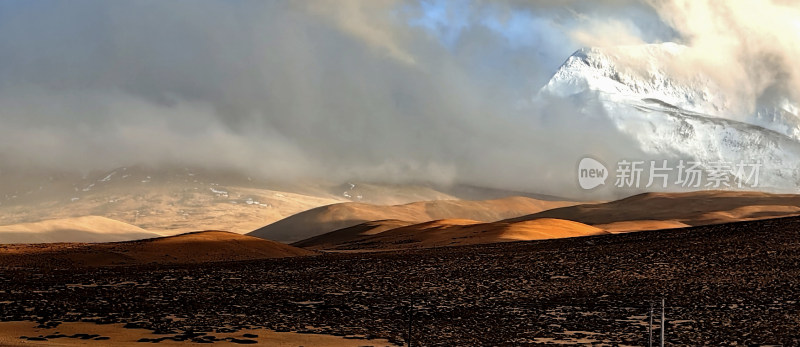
(730, 284)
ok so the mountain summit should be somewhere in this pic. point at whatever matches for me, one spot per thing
(672, 114)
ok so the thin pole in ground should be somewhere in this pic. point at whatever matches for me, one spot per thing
(650, 327)
(410, 318)
(663, 320)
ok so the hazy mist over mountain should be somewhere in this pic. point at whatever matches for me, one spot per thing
(385, 91)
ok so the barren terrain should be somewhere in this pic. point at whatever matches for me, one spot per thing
(734, 283)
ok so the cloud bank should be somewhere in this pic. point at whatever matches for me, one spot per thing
(397, 91)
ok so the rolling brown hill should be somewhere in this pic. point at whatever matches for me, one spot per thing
(329, 218)
(337, 237)
(447, 232)
(651, 211)
(79, 229)
(196, 247)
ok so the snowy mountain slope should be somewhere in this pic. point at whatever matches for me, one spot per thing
(636, 72)
(673, 116)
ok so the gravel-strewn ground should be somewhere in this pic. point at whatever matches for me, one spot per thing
(726, 284)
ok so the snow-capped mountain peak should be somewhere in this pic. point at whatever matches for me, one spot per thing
(636, 73)
(674, 113)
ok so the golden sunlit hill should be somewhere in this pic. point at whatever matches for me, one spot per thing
(348, 234)
(652, 211)
(196, 247)
(80, 229)
(450, 232)
(329, 218)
